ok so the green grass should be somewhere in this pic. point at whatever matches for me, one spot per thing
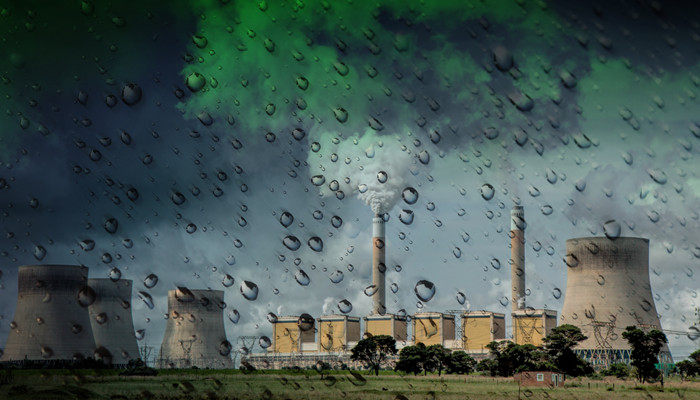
(339, 385)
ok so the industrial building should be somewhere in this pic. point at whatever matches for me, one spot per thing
(51, 322)
(338, 333)
(291, 334)
(194, 332)
(434, 328)
(111, 321)
(387, 324)
(530, 326)
(480, 328)
(608, 289)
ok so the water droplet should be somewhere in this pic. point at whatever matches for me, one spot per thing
(140, 334)
(305, 322)
(556, 293)
(410, 195)
(264, 342)
(487, 191)
(318, 180)
(191, 228)
(693, 333)
(234, 316)
(394, 288)
(39, 252)
(461, 298)
(646, 305)
(147, 299)
(425, 290)
(344, 306)
(316, 244)
(86, 296)
(131, 94)
(317, 214)
(337, 276)
(302, 278)
(195, 81)
(547, 209)
(457, 252)
(111, 225)
(534, 192)
(424, 157)
(291, 242)
(225, 348)
(658, 176)
(612, 229)
(340, 114)
(184, 295)
(370, 290)
(286, 219)
(571, 260)
(406, 217)
(115, 274)
(270, 109)
(227, 280)
(298, 134)
(336, 221)
(177, 198)
(382, 177)
(302, 83)
(87, 244)
(150, 281)
(249, 290)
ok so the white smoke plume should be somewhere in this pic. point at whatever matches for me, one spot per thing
(376, 168)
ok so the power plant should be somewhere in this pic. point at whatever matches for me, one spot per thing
(608, 289)
(194, 332)
(480, 328)
(434, 328)
(51, 321)
(112, 324)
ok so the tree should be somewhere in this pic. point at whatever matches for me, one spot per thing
(687, 369)
(619, 370)
(374, 350)
(645, 350)
(558, 346)
(436, 358)
(460, 362)
(411, 359)
(511, 358)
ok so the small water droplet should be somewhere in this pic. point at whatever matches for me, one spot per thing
(249, 290)
(487, 191)
(344, 306)
(302, 278)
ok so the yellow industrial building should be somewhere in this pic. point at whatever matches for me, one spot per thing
(288, 337)
(338, 333)
(434, 328)
(530, 326)
(481, 328)
(387, 324)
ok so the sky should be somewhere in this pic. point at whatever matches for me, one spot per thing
(177, 138)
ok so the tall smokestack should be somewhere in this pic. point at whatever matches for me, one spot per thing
(378, 266)
(517, 256)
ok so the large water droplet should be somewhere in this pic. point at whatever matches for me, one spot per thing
(131, 94)
(487, 191)
(150, 281)
(115, 274)
(344, 306)
(184, 295)
(612, 229)
(305, 322)
(227, 280)
(39, 252)
(406, 216)
(337, 276)
(316, 244)
(302, 278)
(264, 342)
(556, 293)
(461, 298)
(147, 299)
(410, 195)
(291, 242)
(382, 176)
(425, 290)
(370, 290)
(86, 296)
(234, 316)
(195, 81)
(249, 290)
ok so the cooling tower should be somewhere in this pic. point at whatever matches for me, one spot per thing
(608, 289)
(517, 257)
(112, 325)
(378, 266)
(194, 332)
(51, 319)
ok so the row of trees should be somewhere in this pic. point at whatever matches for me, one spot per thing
(508, 358)
(689, 368)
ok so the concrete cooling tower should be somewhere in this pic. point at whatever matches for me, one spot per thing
(194, 332)
(608, 289)
(112, 325)
(51, 321)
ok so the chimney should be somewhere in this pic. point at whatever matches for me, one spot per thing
(378, 266)
(517, 257)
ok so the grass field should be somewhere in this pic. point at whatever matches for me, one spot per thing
(202, 384)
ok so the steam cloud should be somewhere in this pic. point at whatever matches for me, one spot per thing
(361, 159)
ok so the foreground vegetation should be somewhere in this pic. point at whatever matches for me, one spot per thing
(208, 384)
